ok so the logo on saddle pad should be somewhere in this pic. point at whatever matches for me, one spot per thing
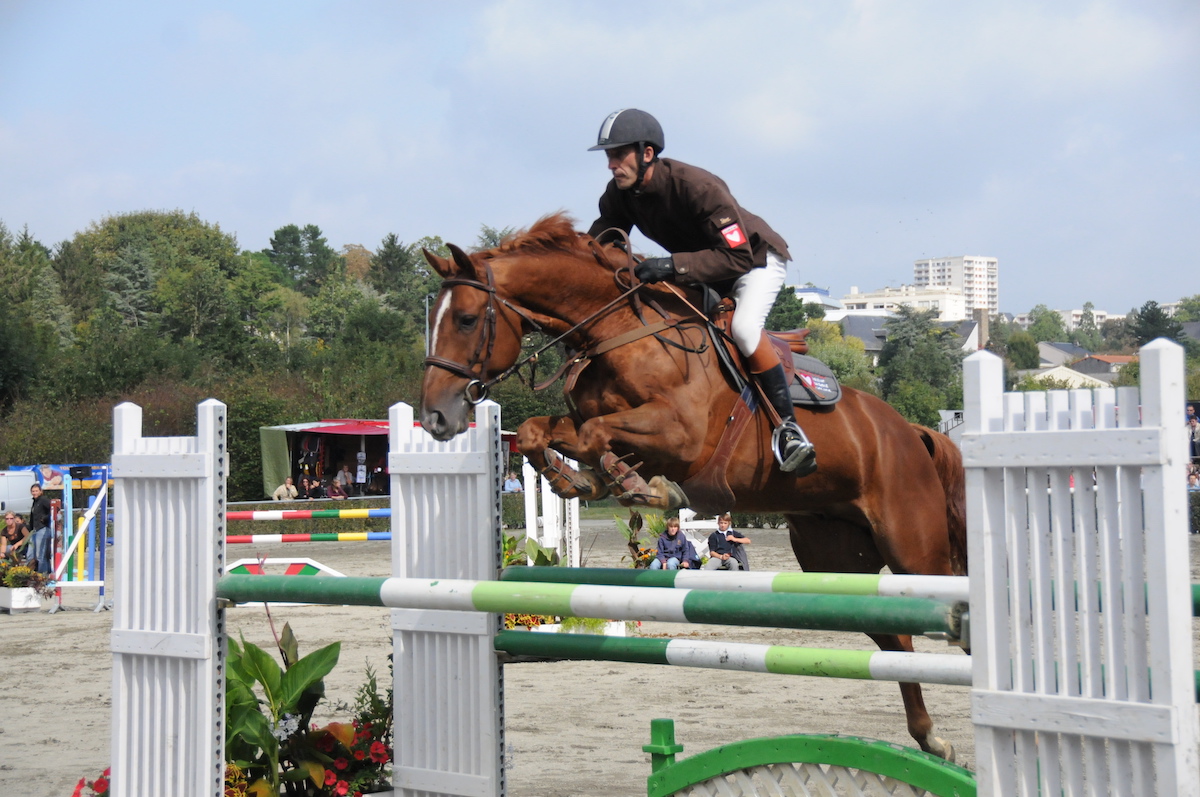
(815, 382)
(733, 234)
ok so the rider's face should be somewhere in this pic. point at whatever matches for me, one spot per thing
(623, 163)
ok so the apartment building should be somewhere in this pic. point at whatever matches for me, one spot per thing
(976, 278)
(949, 303)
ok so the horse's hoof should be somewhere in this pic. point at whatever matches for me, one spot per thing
(673, 494)
(942, 749)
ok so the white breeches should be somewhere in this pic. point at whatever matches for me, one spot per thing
(755, 293)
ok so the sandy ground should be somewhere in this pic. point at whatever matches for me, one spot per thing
(573, 728)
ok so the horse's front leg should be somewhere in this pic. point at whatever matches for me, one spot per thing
(537, 439)
(649, 432)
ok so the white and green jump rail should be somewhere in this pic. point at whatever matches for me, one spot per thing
(861, 613)
(943, 588)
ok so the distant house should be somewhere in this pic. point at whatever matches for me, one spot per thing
(1061, 373)
(869, 329)
(1103, 366)
(1053, 354)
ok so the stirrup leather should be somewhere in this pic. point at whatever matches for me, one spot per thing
(792, 449)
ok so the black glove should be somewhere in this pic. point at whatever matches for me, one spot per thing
(655, 269)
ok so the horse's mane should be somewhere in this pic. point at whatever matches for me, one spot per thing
(551, 234)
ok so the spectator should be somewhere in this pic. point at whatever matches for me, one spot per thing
(725, 551)
(285, 491)
(347, 479)
(336, 492)
(675, 550)
(14, 540)
(1193, 429)
(511, 483)
(1193, 482)
(42, 540)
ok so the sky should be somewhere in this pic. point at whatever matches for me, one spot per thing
(1062, 138)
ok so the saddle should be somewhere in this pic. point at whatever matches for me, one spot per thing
(812, 382)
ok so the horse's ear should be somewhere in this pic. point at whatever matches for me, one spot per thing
(463, 260)
(441, 265)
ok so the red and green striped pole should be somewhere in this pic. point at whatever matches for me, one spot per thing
(863, 613)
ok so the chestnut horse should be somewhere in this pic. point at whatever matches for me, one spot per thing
(885, 492)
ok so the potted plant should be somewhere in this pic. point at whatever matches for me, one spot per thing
(22, 588)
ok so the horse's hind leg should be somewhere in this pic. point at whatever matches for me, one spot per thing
(920, 725)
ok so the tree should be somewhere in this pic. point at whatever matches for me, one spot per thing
(129, 284)
(788, 312)
(304, 256)
(1115, 335)
(919, 357)
(847, 358)
(402, 274)
(1046, 324)
(1023, 350)
(1150, 322)
(1087, 334)
(490, 237)
(1189, 309)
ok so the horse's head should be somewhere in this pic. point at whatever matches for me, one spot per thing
(474, 337)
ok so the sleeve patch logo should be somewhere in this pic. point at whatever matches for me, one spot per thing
(733, 234)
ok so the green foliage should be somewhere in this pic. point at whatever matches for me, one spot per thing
(1046, 324)
(790, 312)
(490, 237)
(269, 710)
(1150, 321)
(1087, 334)
(847, 358)
(1023, 350)
(920, 366)
(1116, 336)
(1189, 309)
(1035, 384)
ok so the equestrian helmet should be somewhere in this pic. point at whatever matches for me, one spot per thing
(630, 126)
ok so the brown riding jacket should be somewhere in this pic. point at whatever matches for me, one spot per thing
(691, 214)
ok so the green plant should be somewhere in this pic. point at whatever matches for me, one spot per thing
(587, 625)
(269, 738)
(641, 550)
(361, 751)
(515, 554)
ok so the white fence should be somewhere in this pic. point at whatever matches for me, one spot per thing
(1079, 599)
(1061, 700)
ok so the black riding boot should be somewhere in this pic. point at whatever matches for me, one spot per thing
(793, 451)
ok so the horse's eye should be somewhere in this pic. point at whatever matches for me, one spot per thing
(467, 322)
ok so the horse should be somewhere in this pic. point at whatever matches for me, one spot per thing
(885, 492)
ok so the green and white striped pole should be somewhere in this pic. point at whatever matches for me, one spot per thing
(863, 613)
(944, 588)
(930, 668)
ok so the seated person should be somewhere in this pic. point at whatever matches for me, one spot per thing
(675, 550)
(316, 489)
(336, 492)
(14, 538)
(1193, 482)
(725, 551)
(512, 484)
(286, 491)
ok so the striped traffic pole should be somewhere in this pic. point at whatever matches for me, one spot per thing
(864, 613)
(307, 514)
(341, 536)
(879, 665)
(944, 588)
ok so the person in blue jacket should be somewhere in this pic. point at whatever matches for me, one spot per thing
(675, 550)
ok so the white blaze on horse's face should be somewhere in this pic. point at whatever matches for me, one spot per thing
(439, 313)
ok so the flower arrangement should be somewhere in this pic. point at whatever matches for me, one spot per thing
(95, 788)
(641, 551)
(15, 576)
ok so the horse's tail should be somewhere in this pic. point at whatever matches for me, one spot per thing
(947, 460)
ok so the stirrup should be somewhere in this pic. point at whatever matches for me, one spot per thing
(793, 451)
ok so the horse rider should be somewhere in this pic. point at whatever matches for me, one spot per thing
(712, 240)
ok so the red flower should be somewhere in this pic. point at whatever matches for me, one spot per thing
(101, 784)
(342, 788)
(341, 763)
(78, 789)
(359, 755)
(330, 777)
(325, 742)
(379, 753)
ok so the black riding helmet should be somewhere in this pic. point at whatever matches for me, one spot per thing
(631, 126)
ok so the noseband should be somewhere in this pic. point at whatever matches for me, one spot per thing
(476, 389)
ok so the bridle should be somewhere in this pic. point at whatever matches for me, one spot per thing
(474, 371)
